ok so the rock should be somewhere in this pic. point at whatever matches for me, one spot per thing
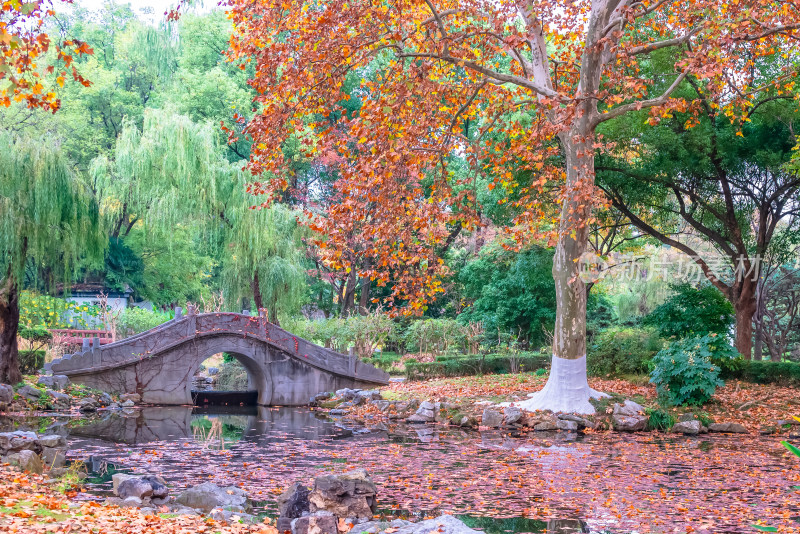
(208, 496)
(581, 421)
(56, 382)
(337, 411)
(227, 516)
(315, 524)
(629, 423)
(128, 404)
(159, 485)
(29, 393)
(687, 417)
(491, 418)
(628, 409)
(6, 393)
(731, 428)
(347, 495)
(88, 404)
(374, 527)
(347, 393)
(131, 502)
(382, 405)
(17, 441)
(133, 397)
(545, 426)
(105, 399)
(59, 401)
(293, 502)
(117, 479)
(52, 440)
(445, 524)
(427, 409)
(512, 415)
(54, 458)
(570, 426)
(135, 487)
(211, 372)
(467, 421)
(691, 428)
(26, 460)
(371, 395)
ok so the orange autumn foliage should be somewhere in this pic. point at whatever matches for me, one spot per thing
(505, 86)
(24, 46)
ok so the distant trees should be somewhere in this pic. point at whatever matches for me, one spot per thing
(719, 192)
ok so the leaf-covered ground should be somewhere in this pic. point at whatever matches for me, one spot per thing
(29, 505)
(756, 406)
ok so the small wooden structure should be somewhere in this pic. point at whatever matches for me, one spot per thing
(69, 336)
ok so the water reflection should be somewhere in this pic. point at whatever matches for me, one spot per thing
(252, 424)
(496, 482)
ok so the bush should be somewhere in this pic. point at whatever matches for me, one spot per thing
(436, 336)
(658, 419)
(232, 375)
(475, 365)
(763, 372)
(623, 351)
(692, 312)
(684, 372)
(30, 361)
(132, 321)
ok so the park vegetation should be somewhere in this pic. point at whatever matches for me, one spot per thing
(424, 188)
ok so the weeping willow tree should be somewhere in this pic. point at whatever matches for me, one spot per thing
(165, 175)
(48, 217)
(266, 260)
(172, 173)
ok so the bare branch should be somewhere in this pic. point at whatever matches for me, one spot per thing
(642, 104)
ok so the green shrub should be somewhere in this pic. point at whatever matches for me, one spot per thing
(475, 365)
(30, 361)
(684, 371)
(692, 312)
(658, 419)
(763, 372)
(134, 321)
(435, 336)
(623, 351)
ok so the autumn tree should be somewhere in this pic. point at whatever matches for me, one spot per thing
(24, 61)
(452, 75)
(47, 218)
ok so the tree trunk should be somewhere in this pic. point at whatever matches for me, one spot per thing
(363, 301)
(349, 297)
(257, 300)
(758, 322)
(567, 388)
(9, 324)
(745, 307)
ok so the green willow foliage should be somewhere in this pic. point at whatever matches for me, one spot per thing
(48, 214)
(266, 243)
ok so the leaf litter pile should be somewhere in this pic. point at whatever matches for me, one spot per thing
(28, 505)
(616, 482)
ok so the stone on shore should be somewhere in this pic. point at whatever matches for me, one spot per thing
(208, 496)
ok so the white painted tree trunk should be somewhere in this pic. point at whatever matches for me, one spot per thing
(567, 389)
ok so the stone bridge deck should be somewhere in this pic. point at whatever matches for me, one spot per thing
(159, 364)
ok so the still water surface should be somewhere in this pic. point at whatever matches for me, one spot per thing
(550, 483)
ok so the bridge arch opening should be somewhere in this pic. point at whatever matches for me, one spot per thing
(229, 379)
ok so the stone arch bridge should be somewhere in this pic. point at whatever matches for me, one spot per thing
(159, 364)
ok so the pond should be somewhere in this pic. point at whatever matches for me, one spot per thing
(496, 482)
